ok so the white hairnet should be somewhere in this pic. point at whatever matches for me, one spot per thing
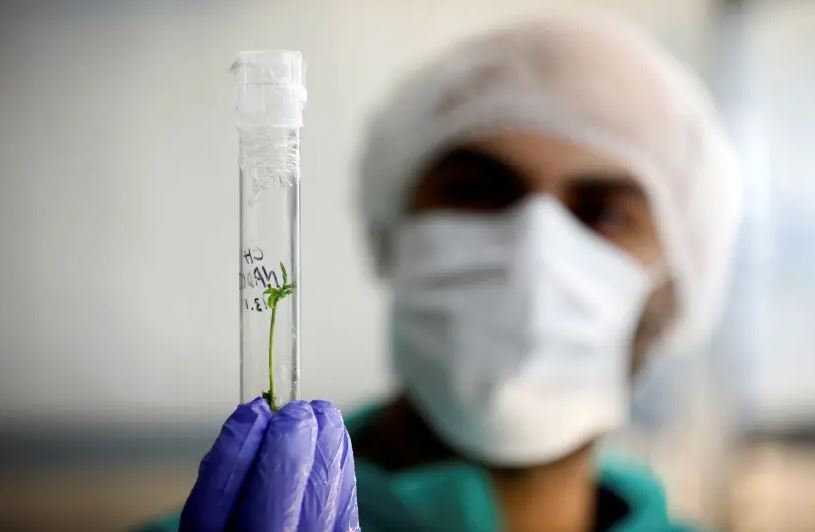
(595, 82)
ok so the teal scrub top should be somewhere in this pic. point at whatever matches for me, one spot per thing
(457, 496)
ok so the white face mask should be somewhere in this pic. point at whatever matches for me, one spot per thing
(512, 333)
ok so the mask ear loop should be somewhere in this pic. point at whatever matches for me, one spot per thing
(659, 276)
(657, 273)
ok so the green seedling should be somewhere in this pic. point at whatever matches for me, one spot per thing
(275, 294)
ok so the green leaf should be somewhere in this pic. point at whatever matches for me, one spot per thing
(285, 274)
(273, 294)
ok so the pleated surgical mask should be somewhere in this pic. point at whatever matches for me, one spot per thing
(512, 332)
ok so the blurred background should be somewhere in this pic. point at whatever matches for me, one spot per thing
(119, 227)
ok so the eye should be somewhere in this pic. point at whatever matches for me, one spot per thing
(468, 180)
(602, 215)
(615, 210)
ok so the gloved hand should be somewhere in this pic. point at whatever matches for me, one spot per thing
(289, 471)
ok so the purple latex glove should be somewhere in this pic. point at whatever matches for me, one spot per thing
(290, 471)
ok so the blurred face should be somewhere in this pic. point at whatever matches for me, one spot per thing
(495, 173)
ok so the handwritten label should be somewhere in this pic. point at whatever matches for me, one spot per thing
(255, 275)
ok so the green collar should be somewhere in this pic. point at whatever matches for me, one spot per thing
(457, 495)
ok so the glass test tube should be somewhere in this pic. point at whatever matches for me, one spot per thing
(270, 96)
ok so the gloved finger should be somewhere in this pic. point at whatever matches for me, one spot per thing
(347, 519)
(275, 488)
(320, 500)
(224, 468)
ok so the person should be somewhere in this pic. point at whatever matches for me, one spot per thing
(551, 204)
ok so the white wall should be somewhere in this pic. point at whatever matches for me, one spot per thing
(118, 192)
(768, 337)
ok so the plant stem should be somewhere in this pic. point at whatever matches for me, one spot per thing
(272, 402)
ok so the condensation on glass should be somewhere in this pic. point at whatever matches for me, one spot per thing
(270, 95)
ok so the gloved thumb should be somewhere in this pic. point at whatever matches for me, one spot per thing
(225, 467)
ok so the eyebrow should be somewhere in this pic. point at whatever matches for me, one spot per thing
(469, 157)
(614, 183)
(609, 181)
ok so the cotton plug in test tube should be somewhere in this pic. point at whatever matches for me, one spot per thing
(270, 96)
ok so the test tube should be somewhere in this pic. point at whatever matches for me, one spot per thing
(270, 97)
